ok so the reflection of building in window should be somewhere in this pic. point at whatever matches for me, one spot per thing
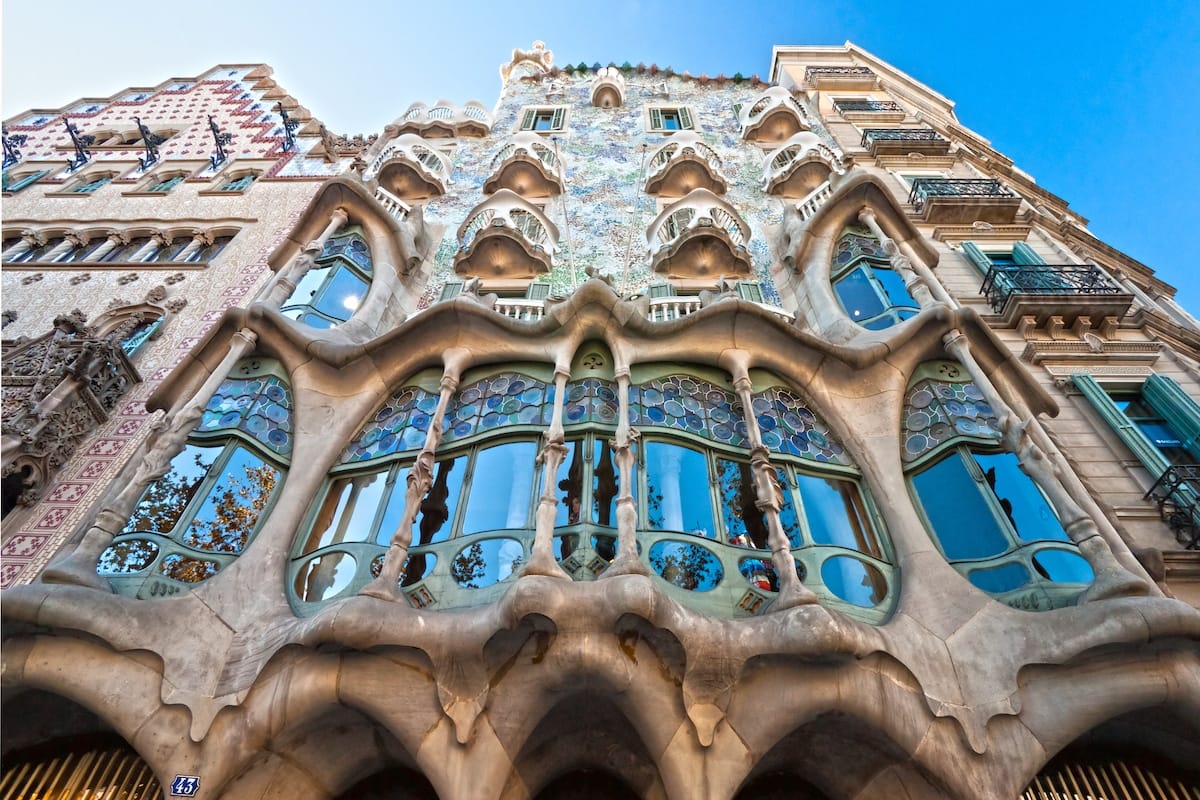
(332, 290)
(872, 293)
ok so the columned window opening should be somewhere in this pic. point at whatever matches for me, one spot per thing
(332, 291)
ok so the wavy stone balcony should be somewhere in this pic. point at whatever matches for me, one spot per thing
(446, 120)
(961, 201)
(683, 163)
(608, 88)
(527, 166)
(410, 169)
(799, 166)
(902, 141)
(840, 77)
(699, 236)
(1044, 291)
(774, 117)
(505, 237)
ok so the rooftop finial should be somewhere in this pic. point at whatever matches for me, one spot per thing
(535, 61)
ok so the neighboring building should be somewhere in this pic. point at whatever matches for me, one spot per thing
(420, 465)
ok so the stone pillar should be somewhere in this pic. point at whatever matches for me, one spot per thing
(1112, 579)
(420, 478)
(623, 445)
(69, 243)
(199, 239)
(278, 290)
(147, 251)
(29, 240)
(541, 559)
(115, 239)
(167, 439)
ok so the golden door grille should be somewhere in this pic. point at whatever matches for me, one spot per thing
(96, 775)
(1112, 780)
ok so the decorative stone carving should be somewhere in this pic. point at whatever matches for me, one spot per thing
(29, 279)
(83, 277)
(534, 62)
(174, 278)
(7, 318)
(127, 278)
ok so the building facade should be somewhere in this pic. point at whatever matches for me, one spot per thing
(645, 435)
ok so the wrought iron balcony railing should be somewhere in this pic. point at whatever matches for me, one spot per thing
(867, 105)
(1002, 283)
(837, 72)
(1177, 493)
(925, 188)
(872, 135)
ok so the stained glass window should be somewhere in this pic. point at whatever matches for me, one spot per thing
(332, 290)
(943, 406)
(872, 293)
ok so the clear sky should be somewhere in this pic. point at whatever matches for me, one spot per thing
(1099, 101)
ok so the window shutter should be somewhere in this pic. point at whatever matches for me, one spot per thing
(1175, 406)
(538, 290)
(1024, 254)
(685, 118)
(976, 257)
(1145, 451)
(749, 290)
(656, 123)
(450, 290)
(560, 117)
(528, 118)
(661, 290)
(737, 112)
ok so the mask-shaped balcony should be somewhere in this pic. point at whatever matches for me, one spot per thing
(902, 141)
(802, 164)
(505, 237)
(699, 236)
(410, 169)
(683, 163)
(445, 120)
(527, 166)
(774, 117)
(608, 88)
(961, 201)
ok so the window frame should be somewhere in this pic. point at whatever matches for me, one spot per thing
(336, 263)
(558, 117)
(653, 117)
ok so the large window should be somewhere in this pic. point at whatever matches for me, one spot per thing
(870, 291)
(204, 511)
(332, 290)
(988, 518)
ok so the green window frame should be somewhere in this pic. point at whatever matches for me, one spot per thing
(870, 292)
(23, 181)
(668, 119)
(544, 119)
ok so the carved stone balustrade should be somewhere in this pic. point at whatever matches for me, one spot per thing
(411, 169)
(392, 204)
(527, 166)
(446, 120)
(683, 163)
(699, 236)
(505, 237)
(799, 166)
(774, 117)
(608, 88)
(521, 309)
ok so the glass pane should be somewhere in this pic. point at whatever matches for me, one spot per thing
(1063, 567)
(188, 570)
(416, 568)
(760, 573)
(127, 556)
(231, 508)
(961, 519)
(606, 547)
(164, 501)
(745, 524)
(788, 517)
(1023, 504)
(488, 562)
(348, 511)
(854, 581)
(606, 485)
(836, 514)
(325, 576)
(688, 566)
(893, 287)
(568, 484)
(677, 487)
(307, 287)
(858, 295)
(501, 488)
(435, 517)
(999, 579)
(342, 295)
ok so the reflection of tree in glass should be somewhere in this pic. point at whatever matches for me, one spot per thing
(188, 570)
(468, 566)
(685, 565)
(163, 502)
(127, 556)
(225, 523)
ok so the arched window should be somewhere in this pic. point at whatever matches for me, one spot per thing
(988, 518)
(141, 334)
(872, 293)
(209, 251)
(332, 290)
(90, 183)
(201, 515)
(699, 524)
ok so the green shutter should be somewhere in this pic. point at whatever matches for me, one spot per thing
(528, 119)
(1174, 405)
(560, 117)
(1145, 451)
(685, 118)
(656, 123)
(450, 290)
(737, 111)
(976, 257)
(749, 290)
(661, 290)
(538, 290)
(1024, 254)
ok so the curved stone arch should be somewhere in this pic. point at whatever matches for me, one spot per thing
(122, 320)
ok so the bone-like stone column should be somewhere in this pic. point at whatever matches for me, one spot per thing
(918, 280)
(792, 591)
(420, 478)
(624, 448)
(69, 242)
(541, 557)
(150, 249)
(167, 438)
(281, 287)
(1111, 579)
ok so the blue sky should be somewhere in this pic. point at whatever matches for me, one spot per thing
(1098, 101)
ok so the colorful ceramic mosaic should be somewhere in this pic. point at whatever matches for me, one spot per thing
(350, 246)
(790, 427)
(398, 426)
(590, 400)
(260, 407)
(938, 411)
(856, 243)
(689, 404)
(509, 398)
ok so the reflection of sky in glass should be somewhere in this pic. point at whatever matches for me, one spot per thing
(685, 565)
(893, 286)
(163, 502)
(357, 499)
(858, 295)
(606, 485)
(1020, 498)
(127, 556)
(677, 483)
(231, 508)
(343, 284)
(961, 518)
(1004, 578)
(1063, 567)
(501, 488)
(325, 576)
(833, 509)
(487, 562)
(854, 581)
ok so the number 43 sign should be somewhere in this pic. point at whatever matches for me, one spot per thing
(185, 785)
